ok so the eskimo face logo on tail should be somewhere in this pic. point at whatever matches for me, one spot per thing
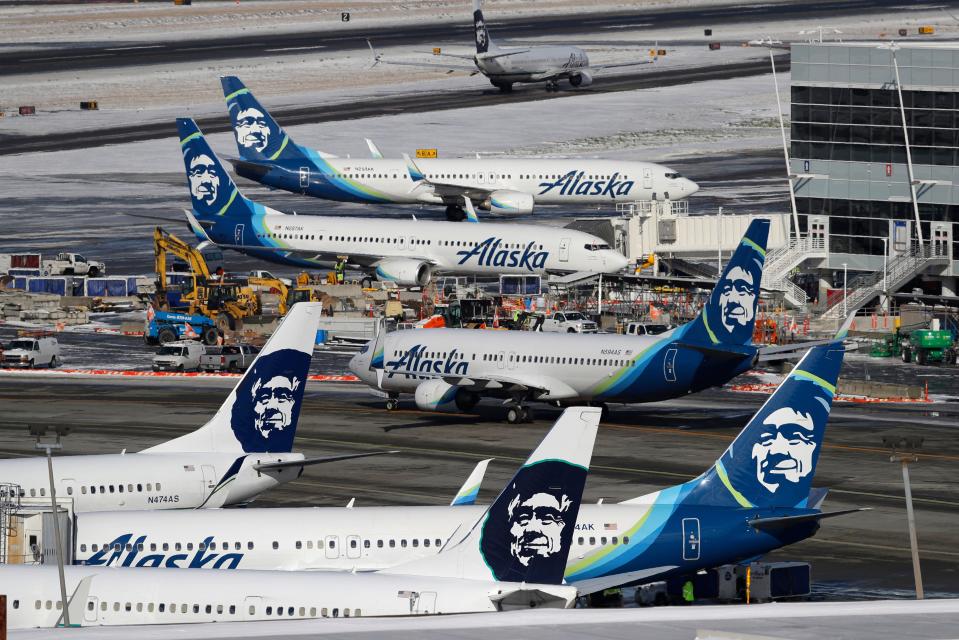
(252, 130)
(784, 452)
(482, 35)
(204, 179)
(489, 253)
(536, 524)
(737, 299)
(529, 529)
(268, 401)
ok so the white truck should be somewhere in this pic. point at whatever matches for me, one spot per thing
(569, 322)
(73, 264)
(179, 356)
(230, 357)
(31, 352)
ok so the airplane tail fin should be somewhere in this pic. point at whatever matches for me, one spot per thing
(259, 138)
(729, 316)
(527, 532)
(260, 414)
(483, 41)
(772, 462)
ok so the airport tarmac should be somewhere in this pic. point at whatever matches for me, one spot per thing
(640, 449)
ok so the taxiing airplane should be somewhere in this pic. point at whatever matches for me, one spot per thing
(245, 449)
(506, 67)
(451, 369)
(502, 186)
(513, 556)
(755, 498)
(407, 252)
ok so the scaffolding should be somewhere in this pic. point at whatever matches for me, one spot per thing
(9, 507)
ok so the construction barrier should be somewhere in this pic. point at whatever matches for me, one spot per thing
(117, 373)
(770, 387)
(28, 110)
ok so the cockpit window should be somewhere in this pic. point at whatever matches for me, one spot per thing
(599, 246)
(673, 175)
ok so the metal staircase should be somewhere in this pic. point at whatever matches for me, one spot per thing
(867, 286)
(781, 261)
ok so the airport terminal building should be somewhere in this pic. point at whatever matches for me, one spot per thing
(849, 161)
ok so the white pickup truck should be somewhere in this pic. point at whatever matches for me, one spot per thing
(569, 322)
(29, 353)
(73, 264)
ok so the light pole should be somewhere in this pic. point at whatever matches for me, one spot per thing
(885, 258)
(845, 290)
(39, 433)
(910, 445)
(782, 130)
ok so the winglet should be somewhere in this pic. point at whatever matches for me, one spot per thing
(470, 211)
(374, 150)
(196, 227)
(376, 56)
(470, 489)
(844, 329)
(415, 174)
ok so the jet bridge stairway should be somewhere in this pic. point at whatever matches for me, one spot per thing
(867, 286)
(781, 261)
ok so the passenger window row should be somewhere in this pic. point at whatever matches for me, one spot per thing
(354, 543)
(93, 489)
(150, 607)
(602, 540)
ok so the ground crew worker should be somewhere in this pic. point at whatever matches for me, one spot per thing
(688, 592)
(339, 268)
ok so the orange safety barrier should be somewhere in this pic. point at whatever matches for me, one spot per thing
(769, 387)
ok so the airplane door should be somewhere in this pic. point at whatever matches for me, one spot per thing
(238, 234)
(941, 239)
(511, 360)
(647, 178)
(209, 477)
(353, 546)
(401, 241)
(564, 250)
(426, 602)
(90, 613)
(669, 365)
(304, 177)
(332, 547)
(501, 359)
(691, 541)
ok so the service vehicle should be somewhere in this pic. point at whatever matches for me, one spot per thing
(229, 357)
(646, 328)
(73, 264)
(568, 322)
(929, 345)
(178, 356)
(163, 327)
(29, 352)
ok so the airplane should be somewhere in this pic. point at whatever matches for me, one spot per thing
(244, 450)
(450, 370)
(501, 186)
(511, 557)
(755, 498)
(407, 252)
(530, 64)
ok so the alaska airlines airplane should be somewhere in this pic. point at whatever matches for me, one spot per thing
(407, 252)
(504, 187)
(245, 449)
(451, 369)
(512, 556)
(506, 67)
(755, 498)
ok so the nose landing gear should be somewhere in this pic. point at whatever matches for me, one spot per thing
(392, 403)
(517, 413)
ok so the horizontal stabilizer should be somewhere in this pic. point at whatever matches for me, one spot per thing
(288, 464)
(721, 351)
(789, 521)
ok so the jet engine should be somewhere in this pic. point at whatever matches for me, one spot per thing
(402, 271)
(436, 395)
(509, 203)
(581, 79)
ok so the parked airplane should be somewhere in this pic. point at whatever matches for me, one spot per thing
(755, 498)
(504, 187)
(245, 449)
(407, 252)
(513, 556)
(506, 67)
(451, 369)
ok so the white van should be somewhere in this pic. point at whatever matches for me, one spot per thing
(30, 353)
(179, 356)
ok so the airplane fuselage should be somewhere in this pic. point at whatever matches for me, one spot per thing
(409, 251)
(547, 181)
(139, 481)
(535, 64)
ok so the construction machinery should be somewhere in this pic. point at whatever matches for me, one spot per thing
(199, 291)
(929, 345)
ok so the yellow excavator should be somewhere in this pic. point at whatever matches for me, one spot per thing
(204, 292)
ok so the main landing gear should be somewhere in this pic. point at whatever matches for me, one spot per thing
(455, 213)
(392, 403)
(516, 413)
(552, 85)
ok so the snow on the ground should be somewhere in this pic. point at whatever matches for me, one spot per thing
(654, 123)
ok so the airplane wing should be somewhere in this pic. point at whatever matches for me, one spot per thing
(536, 386)
(292, 464)
(378, 58)
(617, 65)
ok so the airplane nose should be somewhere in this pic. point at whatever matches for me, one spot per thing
(615, 261)
(689, 187)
